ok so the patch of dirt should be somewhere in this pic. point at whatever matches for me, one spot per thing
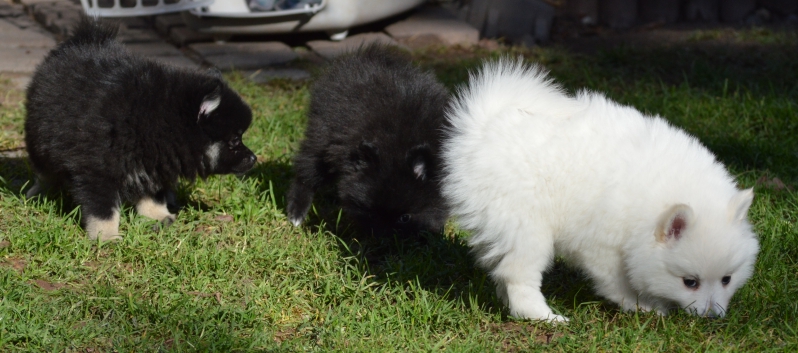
(206, 229)
(522, 332)
(216, 295)
(48, 286)
(170, 343)
(591, 39)
(12, 89)
(92, 264)
(773, 183)
(15, 263)
(4, 244)
(127, 267)
(284, 335)
(224, 218)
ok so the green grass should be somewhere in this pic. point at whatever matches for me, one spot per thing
(233, 275)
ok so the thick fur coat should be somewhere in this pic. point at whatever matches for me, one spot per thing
(643, 208)
(374, 130)
(111, 127)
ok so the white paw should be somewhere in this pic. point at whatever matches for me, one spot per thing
(549, 317)
(295, 221)
(107, 238)
(557, 319)
(528, 302)
(150, 208)
(104, 236)
(103, 229)
(632, 305)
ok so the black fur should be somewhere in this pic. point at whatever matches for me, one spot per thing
(374, 127)
(112, 127)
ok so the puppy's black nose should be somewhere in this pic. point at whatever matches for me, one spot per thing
(246, 164)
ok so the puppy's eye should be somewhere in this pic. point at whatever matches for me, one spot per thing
(725, 280)
(404, 219)
(235, 142)
(690, 283)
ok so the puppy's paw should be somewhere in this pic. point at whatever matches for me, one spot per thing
(299, 199)
(150, 208)
(168, 220)
(296, 213)
(634, 304)
(103, 229)
(110, 238)
(295, 219)
(550, 317)
(164, 223)
(557, 319)
(526, 301)
(103, 236)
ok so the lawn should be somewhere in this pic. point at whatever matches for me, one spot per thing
(232, 274)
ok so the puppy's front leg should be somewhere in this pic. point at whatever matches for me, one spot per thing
(155, 207)
(309, 174)
(611, 279)
(299, 198)
(519, 275)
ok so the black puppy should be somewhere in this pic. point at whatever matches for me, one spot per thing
(112, 127)
(374, 127)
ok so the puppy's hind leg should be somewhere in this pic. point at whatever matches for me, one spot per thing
(519, 275)
(155, 207)
(40, 185)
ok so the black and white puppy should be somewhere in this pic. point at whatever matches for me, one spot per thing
(111, 127)
(374, 127)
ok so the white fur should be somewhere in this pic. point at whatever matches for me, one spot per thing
(138, 179)
(105, 229)
(535, 173)
(209, 104)
(148, 207)
(212, 152)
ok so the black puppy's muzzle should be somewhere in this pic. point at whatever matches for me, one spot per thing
(246, 163)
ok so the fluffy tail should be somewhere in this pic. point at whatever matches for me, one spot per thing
(506, 84)
(91, 31)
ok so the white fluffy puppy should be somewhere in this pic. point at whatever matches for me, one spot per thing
(641, 207)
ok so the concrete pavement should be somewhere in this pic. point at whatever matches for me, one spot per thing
(29, 29)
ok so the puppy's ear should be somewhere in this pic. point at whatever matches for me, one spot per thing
(209, 103)
(364, 155)
(673, 223)
(739, 205)
(419, 158)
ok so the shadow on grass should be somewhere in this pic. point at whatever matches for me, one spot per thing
(750, 117)
(439, 263)
(758, 155)
(15, 174)
(16, 178)
(275, 178)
